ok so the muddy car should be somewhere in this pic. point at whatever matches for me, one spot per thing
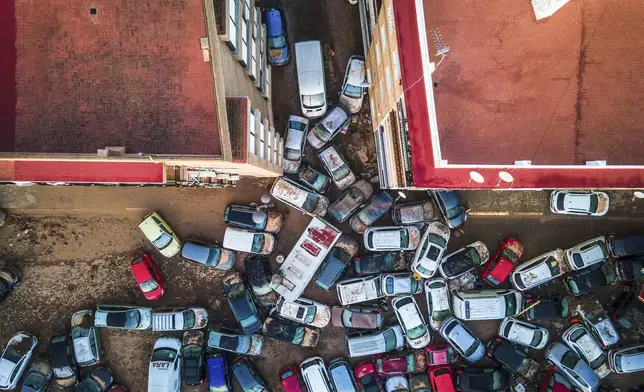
(411, 320)
(451, 207)
(350, 200)
(631, 268)
(595, 319)
(590, 279)
(512, 359)
(313, 179)
(241, 302)
(303, 311)
(581, 341)
(337, 167)
(249, 241)
(626, 246)
(336, 262)
(193, 364)
(292, 333)
(15, 358)
(440, 354)
(222, 338)
(463, 260)
(430, 252)
(372, 212)
(391, 238)
(179, 319)
(462, 339)
(401, 363)
(524, 333)
(123, 317)
(546, 308)
(586, 203)
(298, 197)
(573, 367)
(160, 234)
(341, 376)
(540, 270)
(419, 383)
(410, 213)
(296, 130)
(98, 380)
(259, 278)
(501, 264)
(372, 263)
(37, 378)
(85, 339)
(63, 365)
(245, 218)
(353, 89)
(10, 278)
(470, 379)
(356, 317)
(329, 126)
(352, 291)
(438, 302)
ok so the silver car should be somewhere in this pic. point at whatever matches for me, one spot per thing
(333, 122)
(296, 130)
(391, 238)
(579, 339)
(350, 201)
(463, 341)
(85, 339)
(438, 305)
(431, 250)
(123, 317)
(15, 358)
(411, 320)
(353, 87)
(337, 167)
(627, 359)
(524, 333)
(573, 367)
(590, 252)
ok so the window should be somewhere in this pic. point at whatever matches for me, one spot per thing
(233, 7)
(396, 64)
(254, 42)
(270, 147)
(251, 139)
(388, 79)
(378, 57)
(279, 152)
(262, 141)
(383, 39)
(245, 33)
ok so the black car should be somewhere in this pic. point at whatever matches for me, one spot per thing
(471, 379)
(192, 350)
(292, 333)
(336, 262)
(98, 380)
(629, 312)
(631, 268)
(247, 376)
(451, 207)
(259, 278)
(63, 364)
(242, 303)
(590, 279)
(463, 260)
(626, 246)
(252, 218)
(379, 262)
(313, 179)
(512, 359)
(419, 383)
(10, 277)
(547, 308)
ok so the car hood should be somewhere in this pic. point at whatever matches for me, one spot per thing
(6, 367)
(82, 350)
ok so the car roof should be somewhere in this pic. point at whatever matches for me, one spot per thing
(274, 23)
(576, 201)
(356, 71)
(141, 272)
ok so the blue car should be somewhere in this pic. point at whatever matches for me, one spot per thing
(247, 376)
(451, 207)
(218, 375)
(242, 303)
(336, 262)
(278, 51)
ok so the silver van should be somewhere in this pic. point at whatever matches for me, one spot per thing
(365, 343)
(310, 78)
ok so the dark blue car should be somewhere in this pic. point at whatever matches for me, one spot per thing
(247, 376)
(218, 375)
(242, 303)
(451, 207)
(278, 50)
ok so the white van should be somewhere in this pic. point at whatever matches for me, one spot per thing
(365, 343)
(315, 375)
(164, 372)
(310, 78)
(486, 304)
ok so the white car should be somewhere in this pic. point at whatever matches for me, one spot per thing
(352, 92)
(524, 333)
(179, 319)
(396, 384)
(315, 375)
(411, 321)
(164, 371)
(15, 359)
(582, 342)
(590, 252)
(391, 238)
(438, 306)
(573, 367)
(356, 290)
(627, 359)
(123, 317)
(463, 260)
(304, 311)
(402, 283)
(337, 168)
(540, 270)
(249, 241)
(489, 304)
(589, 203)
(85, 339)
(431, 250)
(296, 130)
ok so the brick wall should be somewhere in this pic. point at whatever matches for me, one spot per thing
(238, 110)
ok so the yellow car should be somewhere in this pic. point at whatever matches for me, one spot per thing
(160, 234)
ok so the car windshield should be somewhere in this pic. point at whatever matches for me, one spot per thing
(277, 42)
(440, 315)
(510, 304)
(313, 101)
(341, 172)
(79, 332)
(536, 338)
(454, 212)
(34, 380)
(188, 319)
(291, 154)
(347, 316)
(246, 379)
(214, 255)
(508, 254)
(577, 259)
(12, 355)
(163, 354)
(63, 372)
(127, 319)
(300, 126)
(369, 383)
(416, 332)
(353, 91)
(376, 209)
(569, 360)
(472, 349)
(162, 241)
(311, 202)
(404, 238)
(244, 217)
(594, 201)
(390, 340)
(258, 243)
(598, 361)
(89, 385)
(149, 285)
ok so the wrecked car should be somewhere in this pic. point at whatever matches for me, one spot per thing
(290, 332)
(298, 197)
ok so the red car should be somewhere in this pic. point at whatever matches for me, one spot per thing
(440, 354)
(554, 382)
(291, 380)
(441, 379)
(506, 257)
(147, 276)
(367, 377)
(400, 363)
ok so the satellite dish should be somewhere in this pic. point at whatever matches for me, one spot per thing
(638, 194)
(505, 176)
(259, 216)
(477, 177)
(402, 195)
(266, 198)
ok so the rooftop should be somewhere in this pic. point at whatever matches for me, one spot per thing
(92, 74)
(561, 91)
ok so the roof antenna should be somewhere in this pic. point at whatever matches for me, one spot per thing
(441, 48)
